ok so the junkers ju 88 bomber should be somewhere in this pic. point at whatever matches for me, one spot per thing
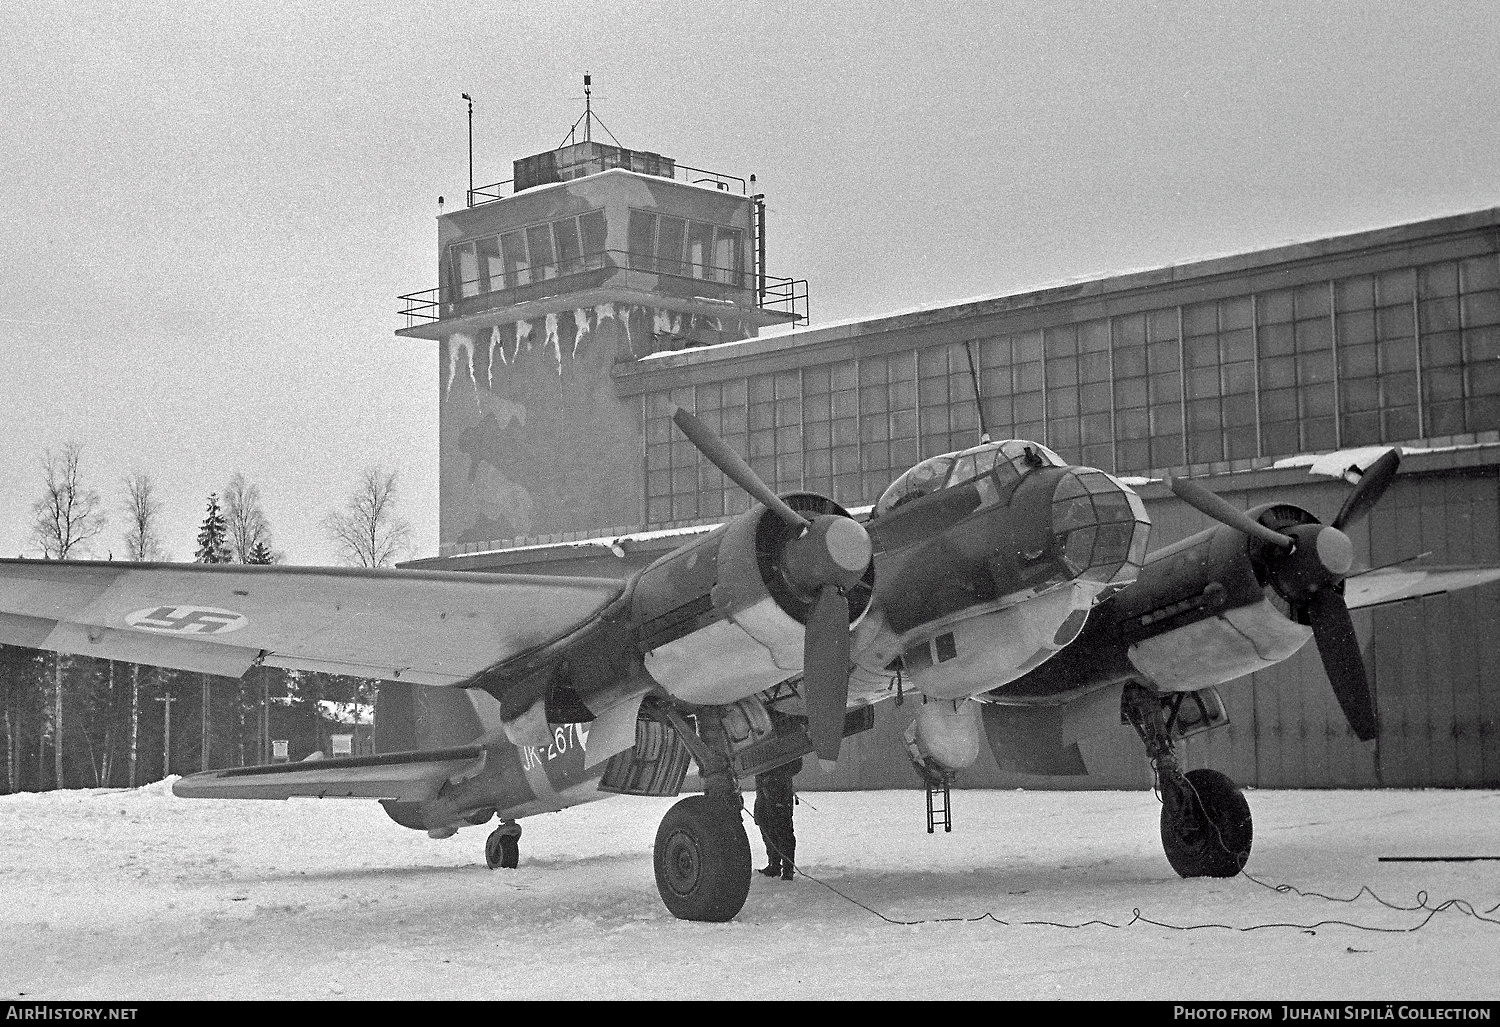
(1011, 590)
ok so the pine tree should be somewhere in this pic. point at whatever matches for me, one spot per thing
(260, 554)
(212, 547)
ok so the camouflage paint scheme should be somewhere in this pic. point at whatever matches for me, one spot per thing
(534, 440)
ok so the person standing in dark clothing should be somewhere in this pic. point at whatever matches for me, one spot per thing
(774, 796)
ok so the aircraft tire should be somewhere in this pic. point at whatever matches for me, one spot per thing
(1211, 833)
(502, 849)
(702, 860)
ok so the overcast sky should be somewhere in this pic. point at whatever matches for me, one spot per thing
(209, 210)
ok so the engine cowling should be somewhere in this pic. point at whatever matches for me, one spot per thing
(724, 617)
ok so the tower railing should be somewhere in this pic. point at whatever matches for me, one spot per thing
(787, 295)
(481, 194)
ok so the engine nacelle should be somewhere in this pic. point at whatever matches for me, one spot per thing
(720, 619)
(944, 738)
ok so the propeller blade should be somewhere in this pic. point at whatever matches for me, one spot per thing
(1221, 510)
(735, 469)
(1372, 485)
(1334, 633)
(825, 671)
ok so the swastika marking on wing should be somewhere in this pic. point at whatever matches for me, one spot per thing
(187, 620)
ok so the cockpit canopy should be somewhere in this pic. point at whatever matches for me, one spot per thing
(1010, 460)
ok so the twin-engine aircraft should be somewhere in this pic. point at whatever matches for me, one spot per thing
(1010, 589)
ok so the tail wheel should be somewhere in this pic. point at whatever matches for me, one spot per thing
(1205, 825)
(703, 859)
(502, 849)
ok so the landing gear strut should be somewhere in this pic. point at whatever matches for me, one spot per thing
(503, 847)
(1206, 827)
(702, 856)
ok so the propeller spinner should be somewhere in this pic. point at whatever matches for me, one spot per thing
(829, 554)
(1307, 564)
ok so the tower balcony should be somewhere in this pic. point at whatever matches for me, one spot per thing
(606, 276)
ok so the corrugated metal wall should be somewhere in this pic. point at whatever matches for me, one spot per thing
(1435, 665)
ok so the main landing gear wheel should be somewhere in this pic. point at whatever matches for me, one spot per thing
(1205, 825)
(502, 849)
(702, 859)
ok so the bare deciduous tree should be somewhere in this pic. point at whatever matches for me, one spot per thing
(244, 519)
(68, 514)
(142, 511)
(367, 532)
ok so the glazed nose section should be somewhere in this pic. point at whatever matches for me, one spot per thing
(1099, 526)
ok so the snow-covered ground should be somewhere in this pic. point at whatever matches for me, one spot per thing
(138, 894)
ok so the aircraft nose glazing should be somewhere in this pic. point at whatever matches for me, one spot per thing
(1100, 526)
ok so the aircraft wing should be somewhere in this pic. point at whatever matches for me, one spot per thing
(406, 776)
(427, 627)
(1393, 584)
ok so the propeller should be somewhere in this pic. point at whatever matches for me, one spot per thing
(829, 554)
(1307, 564)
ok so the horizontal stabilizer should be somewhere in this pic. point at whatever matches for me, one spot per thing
(407, 776)
(1393, 584)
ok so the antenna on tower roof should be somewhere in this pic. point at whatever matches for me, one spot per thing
(588, 118)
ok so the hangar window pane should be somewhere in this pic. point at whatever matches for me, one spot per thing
(1275, 340)
(1203, 416)
(1129, 330)
(1202, 383)
(932, 362)
(815, 380)
(1166, 451)
(1062, 402)
(1320, 434)
(1356, 328)
(1280, 439)
(1201, 350)
(1442, 383)
(1398, 355)
(1482, 414)
(1392, 287)
(1094, 429)
(1132, 424)
(1028, 406)
(1481, 344)
(1093, 337)
(1129, 362)
(989, 353)
(1093, 367)
(1026, 346)
(1061, 342)
(1166, 420)
(1237, 345)
(1444, 418)
(1028, 376)
(1439, 315)
(846, 403)
(1479, 273)
(788, 413)
(1062, 371)
(817, 435)
(1317, 401)
(733, 417)
(1274, 307)
(1394, 322)
(1163, 356)
(1278, 405)
(1435, 280)
(1133, 455)
(1237, 378)
(1165, 388)
(1200, 318)
(1481, 308)
(1161, 325)
(1239, 411)
(1315, 367)
(1130, 392)
(1361, 429)
(1205, 447)
(935, 390)
(1235, 313)
(1311, 301)
(1442, 349)
(1398, 389)
(1360, 394)
(934, 419)
(1398, 424)
(903, 395)
(1094, 399)
(1063, 434)
(1240, 444)
(1314, 335)
(904, 424)
(993, 381)
(873, 399)
(1354, 293)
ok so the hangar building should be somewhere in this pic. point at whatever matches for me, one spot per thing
(578, 303)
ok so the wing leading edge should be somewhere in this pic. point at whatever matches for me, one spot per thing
(427, 627)
(404, 776)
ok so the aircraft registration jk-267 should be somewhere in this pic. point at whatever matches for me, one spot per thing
(1011, 590)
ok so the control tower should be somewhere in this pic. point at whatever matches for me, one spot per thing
(591, 257)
